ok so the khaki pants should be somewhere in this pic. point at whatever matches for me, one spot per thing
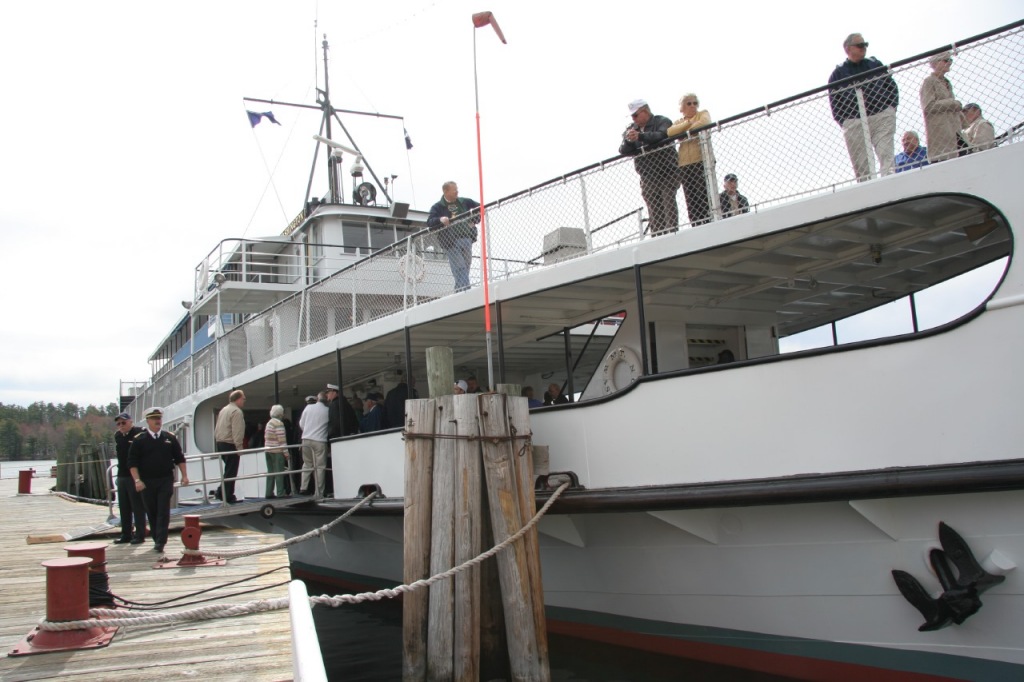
(314, 456)
(881, 129)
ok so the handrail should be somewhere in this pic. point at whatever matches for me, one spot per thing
(307, 660)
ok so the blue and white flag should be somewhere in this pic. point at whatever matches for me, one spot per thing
(255, 117)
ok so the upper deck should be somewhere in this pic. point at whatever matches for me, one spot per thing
(789, 155)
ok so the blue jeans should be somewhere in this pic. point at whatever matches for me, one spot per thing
(460, 256)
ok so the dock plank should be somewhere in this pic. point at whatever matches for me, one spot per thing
(254, 648)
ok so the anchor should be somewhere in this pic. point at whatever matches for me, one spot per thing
(961, 589)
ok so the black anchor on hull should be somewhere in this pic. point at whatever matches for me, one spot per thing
(961, 589)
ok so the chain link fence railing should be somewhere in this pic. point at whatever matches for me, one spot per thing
(809, 144)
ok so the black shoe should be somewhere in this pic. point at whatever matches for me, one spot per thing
(138, 541)
(121, 541)
(158, 548)
(271, 497)
(216, 493)
(234, 500)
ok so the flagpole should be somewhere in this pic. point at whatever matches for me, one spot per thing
(483, 227)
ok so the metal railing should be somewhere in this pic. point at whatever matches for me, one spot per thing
(206, 481)
(782, 152)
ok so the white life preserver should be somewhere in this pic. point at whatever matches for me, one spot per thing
(620, 355)
(411, 268)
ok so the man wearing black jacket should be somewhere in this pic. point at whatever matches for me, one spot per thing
(151, 459)
(342, 421)
(129, 502)
(657, 168)
(870, 81)
(455, 219)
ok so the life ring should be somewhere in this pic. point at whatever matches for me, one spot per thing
(411, 268)
(621, 355)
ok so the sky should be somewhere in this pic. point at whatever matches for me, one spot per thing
(126, 155)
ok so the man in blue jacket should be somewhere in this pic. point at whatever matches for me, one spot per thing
(457, 230)
(864, 104)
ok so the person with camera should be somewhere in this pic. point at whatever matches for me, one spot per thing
(659, 177)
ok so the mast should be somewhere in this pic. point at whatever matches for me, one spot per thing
(332, 165)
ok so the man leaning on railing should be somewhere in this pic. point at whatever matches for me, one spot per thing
(865, 108)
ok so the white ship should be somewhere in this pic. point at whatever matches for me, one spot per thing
(750, 512)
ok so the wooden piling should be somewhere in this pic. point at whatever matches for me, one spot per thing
(506, 515)
(509, 389)
(440, 371)
(440, 630)
(419, 467)
(467, 540)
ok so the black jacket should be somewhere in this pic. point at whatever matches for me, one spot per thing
(723, 200)
(122, 444)
(155, 457)
(464, 228)
(880, 91)
(341, 418)
(652, 135)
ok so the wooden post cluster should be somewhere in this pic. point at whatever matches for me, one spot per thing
(469, 486)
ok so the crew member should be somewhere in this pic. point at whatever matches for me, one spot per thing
(151, 459)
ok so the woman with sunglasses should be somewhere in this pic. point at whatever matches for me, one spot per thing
(941, 110)
(691, 158)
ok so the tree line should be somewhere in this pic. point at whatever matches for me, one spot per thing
(48, 430)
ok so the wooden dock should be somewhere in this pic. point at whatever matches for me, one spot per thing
(254, 647)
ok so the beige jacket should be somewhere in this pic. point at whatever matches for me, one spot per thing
(689, 150)
(230, 426)
(941, 118)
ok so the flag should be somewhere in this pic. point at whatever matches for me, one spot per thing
(481, 19)
(255, 117)
(408, 140)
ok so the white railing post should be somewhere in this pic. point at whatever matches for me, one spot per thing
(307, 662)
(710, 172)
(586, 214)
(868, 147)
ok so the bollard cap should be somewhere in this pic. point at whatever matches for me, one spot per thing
(67, 562)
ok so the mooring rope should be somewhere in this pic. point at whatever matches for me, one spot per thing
(118, 618)
(76, 498)
(262, 549)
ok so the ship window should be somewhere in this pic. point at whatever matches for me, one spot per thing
(356, 237)
(381, 236)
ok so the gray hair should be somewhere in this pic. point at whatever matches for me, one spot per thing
(321, 396)
(940, 57)
(914, 133)
(850, 39)
(689, 94)
(445, 187)
(276, 412)
(972, 105)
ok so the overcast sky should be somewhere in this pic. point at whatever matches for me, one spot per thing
(126, 156)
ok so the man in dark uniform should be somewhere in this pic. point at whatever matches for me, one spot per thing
(129, 503)
(152, 457)
(342, 421)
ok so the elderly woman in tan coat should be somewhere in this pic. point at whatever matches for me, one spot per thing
(941, 110)
(691, 161)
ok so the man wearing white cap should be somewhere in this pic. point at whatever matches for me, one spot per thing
(153, 455)
(314, 422)
(659, 175)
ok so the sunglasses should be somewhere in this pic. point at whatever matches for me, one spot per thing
(634, 115)
(692, 104)
(862, 46)
(121, 422)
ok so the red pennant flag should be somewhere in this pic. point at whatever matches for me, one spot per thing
(481, 19)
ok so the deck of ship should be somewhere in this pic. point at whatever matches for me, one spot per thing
(255, 647)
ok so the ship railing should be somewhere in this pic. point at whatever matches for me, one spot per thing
(265, 261)
(217, 477)
(782, 152)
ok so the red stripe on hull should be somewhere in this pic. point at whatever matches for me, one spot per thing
(796, 667)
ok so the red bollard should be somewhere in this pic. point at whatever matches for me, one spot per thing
(25, 481)
(190, 535)
(96, 552)
(67, 598)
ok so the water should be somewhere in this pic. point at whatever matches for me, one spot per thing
(11, 469)
(363, 643)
